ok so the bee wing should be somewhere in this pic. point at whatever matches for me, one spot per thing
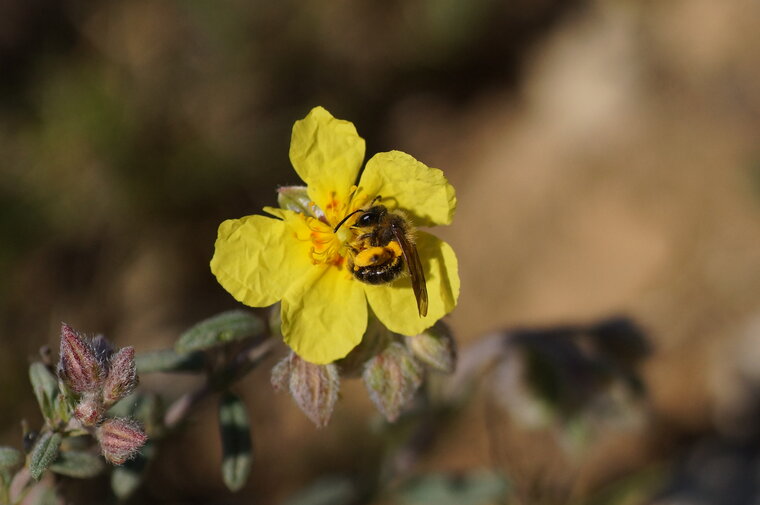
(415, 269)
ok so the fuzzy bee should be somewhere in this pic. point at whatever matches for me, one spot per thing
(383, 247)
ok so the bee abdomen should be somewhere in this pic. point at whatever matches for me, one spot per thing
(380, 274)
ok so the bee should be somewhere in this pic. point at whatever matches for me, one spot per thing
(383, 247)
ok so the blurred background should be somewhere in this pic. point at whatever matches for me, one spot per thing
(606, 159)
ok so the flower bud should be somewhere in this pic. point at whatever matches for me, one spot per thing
(280, 377)
(435, 347)
(103, 348)
(120, 439)
(392, 377)
(89, 410)
(296, 198)
(313, 387)
(78, 366)
(122, 376)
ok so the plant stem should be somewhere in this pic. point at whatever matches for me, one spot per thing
(244, 362)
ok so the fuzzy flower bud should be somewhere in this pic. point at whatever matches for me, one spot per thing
(435, 347)
(392, 377)
(122, 376)
(78, 367)
(120, 439)
(313, 387)
(296, 198)
(89, 410)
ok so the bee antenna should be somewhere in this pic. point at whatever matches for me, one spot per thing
(345, 219)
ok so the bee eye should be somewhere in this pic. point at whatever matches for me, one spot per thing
(364, 220)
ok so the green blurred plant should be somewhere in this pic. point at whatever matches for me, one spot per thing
(571, 375)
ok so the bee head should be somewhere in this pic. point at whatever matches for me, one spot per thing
(371, 216)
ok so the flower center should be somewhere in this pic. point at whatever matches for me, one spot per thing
(325, 245)
(329, 246)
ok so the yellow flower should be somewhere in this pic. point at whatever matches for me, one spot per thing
(298, 259)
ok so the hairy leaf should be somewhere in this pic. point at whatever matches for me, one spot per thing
(236, 442)
(220, 329)
(78, 464)
(9, 458)
(125, 479)
(45, 386)
(44, 453)
(169, 360)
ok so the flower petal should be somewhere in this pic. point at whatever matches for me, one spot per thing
(258, 258)
(394, 304)
(324, 316)
(407, 184)
(327, 154)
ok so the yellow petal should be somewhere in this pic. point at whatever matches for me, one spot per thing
(257, 258)
(324, 315)
(407, 184)
(394, 304)
(327, 153)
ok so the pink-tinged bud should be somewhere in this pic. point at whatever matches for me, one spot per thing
(280, 377)
(120, 439)
(103, 348)
(122, 376)
(392, 377)
(313, 387)
(89, 410)
(435, 347)
(78, 366)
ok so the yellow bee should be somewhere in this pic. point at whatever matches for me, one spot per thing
(383, 245)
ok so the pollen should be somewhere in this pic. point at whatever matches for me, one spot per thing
(325, 245)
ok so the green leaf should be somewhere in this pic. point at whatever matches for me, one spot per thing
(45, 386)
(236, 442)
(221, 329)
(126, 478)
(476, 488)
(44, 453)
(9, 458)
(169, 360)
(81, 465)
